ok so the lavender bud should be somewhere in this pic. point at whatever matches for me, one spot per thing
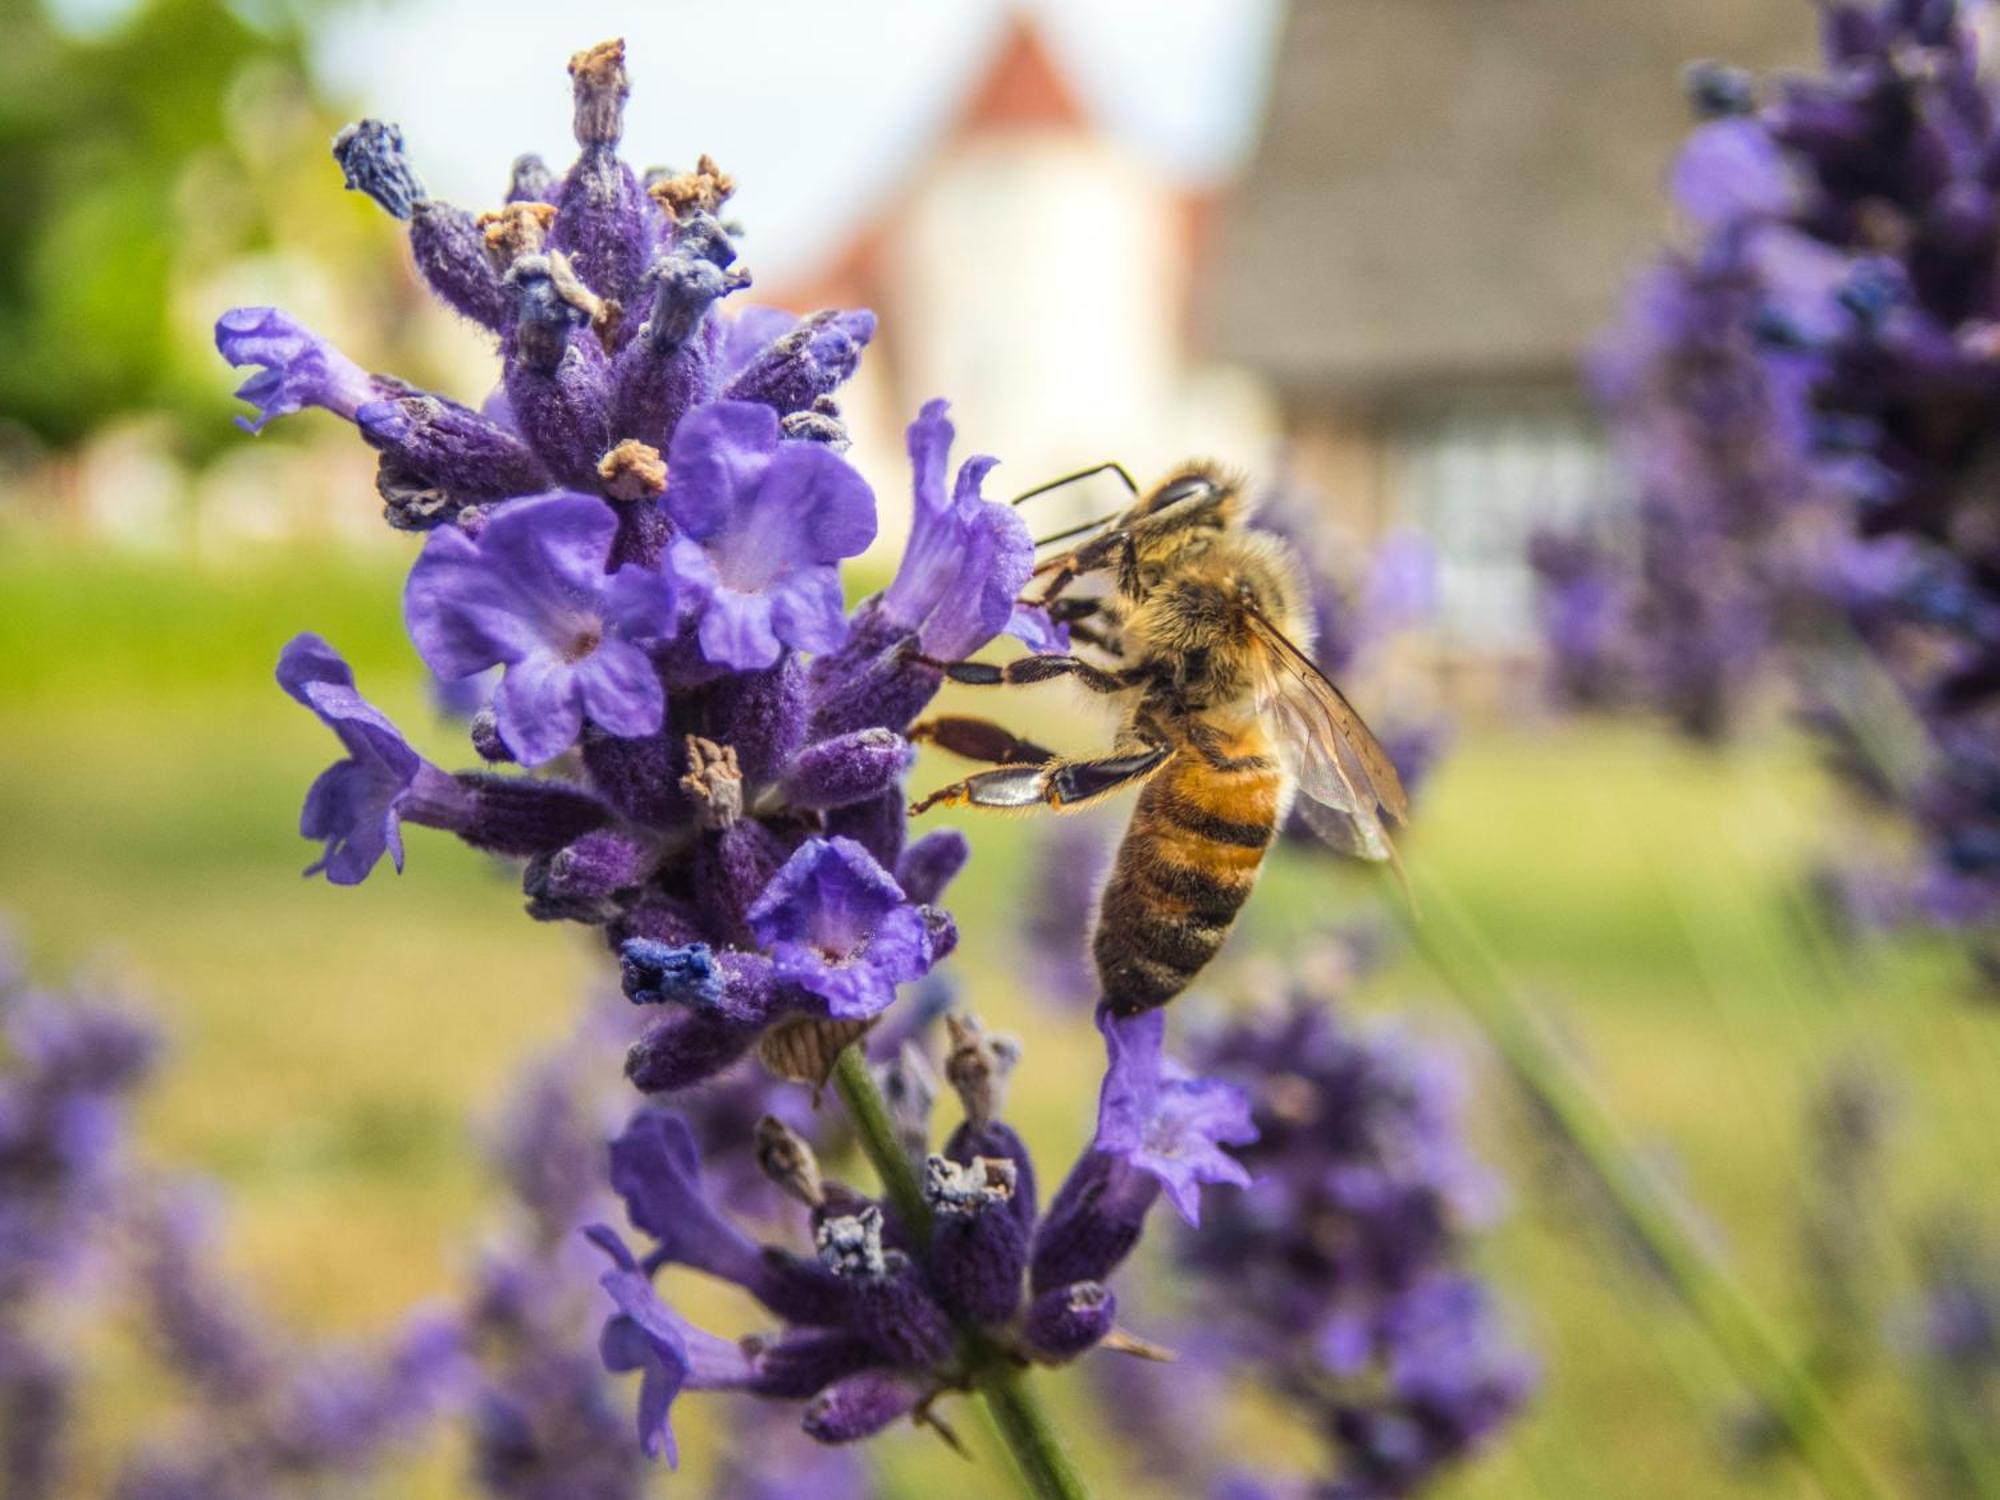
(803, 1363)
(978, 1247)
(996, 1141)
(928, 865)
(451, 447)
(604, 220)
(638, 777)
(811, 361)
(557, 373)
(877, 824)
(531, 181)
(449, 248)
(731, 868)
(1065, 1321)
(672, 363)
(860, 1406)
(687, 1046)
(370, 153)
(761, 717)
(595, 866)
(447, 244)
(853, 768)
(552, 305)
(513, 815)
(1093, 1223)
(891, 1308)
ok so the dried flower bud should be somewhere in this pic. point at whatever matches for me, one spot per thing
(787, 1159)
(601, 86)
(977, 1067)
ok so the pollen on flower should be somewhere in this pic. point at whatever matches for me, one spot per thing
(633, 471)
(686, 194)
(714, 781)
(516, 230)
(602, 86)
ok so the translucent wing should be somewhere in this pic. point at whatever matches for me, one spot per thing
(1346, 779)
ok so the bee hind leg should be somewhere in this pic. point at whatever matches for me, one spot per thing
(979, 739)
(1058, 783)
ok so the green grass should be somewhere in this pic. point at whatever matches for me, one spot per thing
(337, 1049)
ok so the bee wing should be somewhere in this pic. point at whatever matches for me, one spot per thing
(1344, 775)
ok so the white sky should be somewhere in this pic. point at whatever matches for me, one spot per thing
(814, 105)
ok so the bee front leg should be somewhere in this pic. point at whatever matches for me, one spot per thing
(1059, 784)
(1027, 669)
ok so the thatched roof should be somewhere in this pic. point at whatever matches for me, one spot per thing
(1457, 189)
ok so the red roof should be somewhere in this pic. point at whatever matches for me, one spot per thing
(1023, 88)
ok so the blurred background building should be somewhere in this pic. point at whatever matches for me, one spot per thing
(1376, 268)
(1444, 201)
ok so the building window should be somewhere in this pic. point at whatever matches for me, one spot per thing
(1479, 477)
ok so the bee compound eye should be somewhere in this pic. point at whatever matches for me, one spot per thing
(1185, 487)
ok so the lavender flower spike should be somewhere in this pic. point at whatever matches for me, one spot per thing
(763, 523)
(531, 593)
(300, 368)
(358, 804)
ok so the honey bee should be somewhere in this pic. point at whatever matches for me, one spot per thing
(1197, 621)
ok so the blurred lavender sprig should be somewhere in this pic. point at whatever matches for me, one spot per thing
(1340, 1273)
(72, 1063)
(1805, 396)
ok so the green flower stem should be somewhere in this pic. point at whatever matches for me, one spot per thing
(870, 1115)
(1725, 1313)
(1017, 1415)
(1023, 1425)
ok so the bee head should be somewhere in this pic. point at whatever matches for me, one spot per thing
(1193, 494)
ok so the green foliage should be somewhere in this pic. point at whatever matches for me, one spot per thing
(110, 147)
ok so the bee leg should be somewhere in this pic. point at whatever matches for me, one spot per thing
(1082, 616)
(979, 739)
(1069, 611)
(1027, 669)
(1090, 635)
(1059, 784)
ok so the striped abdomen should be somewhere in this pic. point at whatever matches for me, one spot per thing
(1186, 867)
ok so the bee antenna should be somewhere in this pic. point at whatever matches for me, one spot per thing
(1063, 536)
(1112, 467)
